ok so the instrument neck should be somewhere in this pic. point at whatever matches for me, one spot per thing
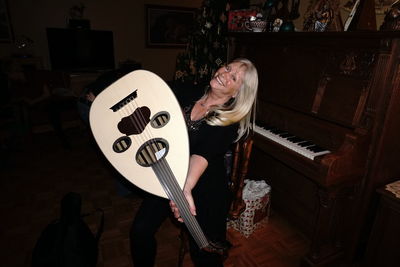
(174, 193)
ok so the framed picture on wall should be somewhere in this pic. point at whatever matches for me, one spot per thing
(6, 34)
(168, 26)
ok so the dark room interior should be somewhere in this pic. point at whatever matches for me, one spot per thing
(325, 137)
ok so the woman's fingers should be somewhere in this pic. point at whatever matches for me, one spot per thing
(189, 198)
(175, 211)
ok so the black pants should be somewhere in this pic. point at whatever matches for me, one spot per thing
(150, 216)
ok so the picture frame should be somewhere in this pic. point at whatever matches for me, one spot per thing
(6, 33)
(168, 26)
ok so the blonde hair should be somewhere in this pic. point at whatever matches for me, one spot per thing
(241, 108)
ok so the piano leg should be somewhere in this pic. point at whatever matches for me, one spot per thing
(326, 242)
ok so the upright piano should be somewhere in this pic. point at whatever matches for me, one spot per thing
(327, 131)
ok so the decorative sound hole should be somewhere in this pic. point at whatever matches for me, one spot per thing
(151, 152)
(160, 119)
(122, 144)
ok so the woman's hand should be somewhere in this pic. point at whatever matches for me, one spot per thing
(197, 165)
(175, 211)
(189, 198)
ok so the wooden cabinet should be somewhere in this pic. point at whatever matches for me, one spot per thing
(384, 243)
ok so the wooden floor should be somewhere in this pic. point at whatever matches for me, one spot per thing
(37, 174)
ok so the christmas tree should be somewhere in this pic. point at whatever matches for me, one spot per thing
(207, 47)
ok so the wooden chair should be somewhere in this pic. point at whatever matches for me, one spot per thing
(240, 164)
(239, 168)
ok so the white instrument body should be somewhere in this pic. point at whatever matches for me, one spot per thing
(151, 92)
(139, 126)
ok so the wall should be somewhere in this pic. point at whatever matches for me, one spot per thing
(126, 18)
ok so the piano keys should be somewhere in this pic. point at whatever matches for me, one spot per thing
(303, 147)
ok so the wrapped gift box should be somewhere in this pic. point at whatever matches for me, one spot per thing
(256, 195)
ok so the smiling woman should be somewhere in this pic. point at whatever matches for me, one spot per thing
(6, 34)
(214, 120)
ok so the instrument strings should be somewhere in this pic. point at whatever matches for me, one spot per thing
(165, 174)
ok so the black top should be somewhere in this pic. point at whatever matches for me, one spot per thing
(211, 193)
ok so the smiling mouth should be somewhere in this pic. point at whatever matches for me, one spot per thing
(219, 80)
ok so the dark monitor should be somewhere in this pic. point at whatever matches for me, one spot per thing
(79, 50)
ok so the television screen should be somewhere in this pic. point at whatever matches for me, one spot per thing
(78, 50)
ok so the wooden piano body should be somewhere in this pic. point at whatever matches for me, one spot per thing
(339, 90)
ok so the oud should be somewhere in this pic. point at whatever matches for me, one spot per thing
(139, 126)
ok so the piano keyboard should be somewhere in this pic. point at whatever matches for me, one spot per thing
(296, 144)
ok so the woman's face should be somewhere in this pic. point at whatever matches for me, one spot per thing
(228, 79)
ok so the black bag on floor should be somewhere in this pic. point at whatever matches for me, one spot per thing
(68, 242)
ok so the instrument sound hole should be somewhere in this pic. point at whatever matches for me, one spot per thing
(160, 119)
(151, 152)
(122, 144)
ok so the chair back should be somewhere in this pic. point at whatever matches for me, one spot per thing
(240, 163)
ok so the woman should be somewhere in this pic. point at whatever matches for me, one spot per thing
(219, 117)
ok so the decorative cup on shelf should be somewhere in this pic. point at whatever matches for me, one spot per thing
(256, 25)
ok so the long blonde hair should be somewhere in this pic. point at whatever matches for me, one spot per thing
(241, 108)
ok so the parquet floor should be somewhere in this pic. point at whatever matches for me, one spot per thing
(37, 174)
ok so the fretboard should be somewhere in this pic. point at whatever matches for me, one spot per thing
(174, 193)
